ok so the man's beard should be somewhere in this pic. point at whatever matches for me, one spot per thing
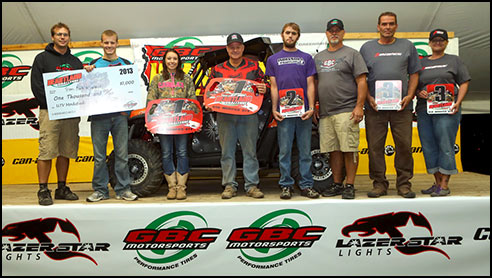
(334, 42)
(290, 45)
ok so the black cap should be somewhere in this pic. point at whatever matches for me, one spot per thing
(334, 22)
(234, 37)
(438, 33)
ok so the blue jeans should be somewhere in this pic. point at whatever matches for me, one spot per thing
(181, 142)
(100, 129)
(438, 135)
(245, 129)
(286, 130)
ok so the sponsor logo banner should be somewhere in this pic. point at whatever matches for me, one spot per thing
(281, 238)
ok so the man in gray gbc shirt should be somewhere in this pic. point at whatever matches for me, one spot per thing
(390, 61)
(342, 90)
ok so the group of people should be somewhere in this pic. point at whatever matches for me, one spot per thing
(341, 79)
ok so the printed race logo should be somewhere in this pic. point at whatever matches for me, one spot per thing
(42, 229)
(64, 80)
(189, 52)
(20, 107)
(170, 241)
(393, 227)
(12, 69)
(274, 239)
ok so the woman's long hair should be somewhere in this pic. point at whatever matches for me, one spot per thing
(179, 71)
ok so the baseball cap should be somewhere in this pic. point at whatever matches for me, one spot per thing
(334, 22)
(234, 37)
(438, 33)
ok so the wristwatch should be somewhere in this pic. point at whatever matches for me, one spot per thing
(311, 108)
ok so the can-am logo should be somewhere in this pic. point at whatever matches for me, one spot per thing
(170, 241)
(12, 69)
(42, 229)
(389, 150)
(274, 239)
(392, 226)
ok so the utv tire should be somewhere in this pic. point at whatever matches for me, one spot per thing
(145, 166)
(320, 167)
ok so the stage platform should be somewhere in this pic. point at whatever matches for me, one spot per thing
(208, 189)
(205, 235)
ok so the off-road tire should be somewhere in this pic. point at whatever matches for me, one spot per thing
(320, 167)
(145, 165)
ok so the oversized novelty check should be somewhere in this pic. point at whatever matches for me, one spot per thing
(78, 93)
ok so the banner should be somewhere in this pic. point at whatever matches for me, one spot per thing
(367, 237)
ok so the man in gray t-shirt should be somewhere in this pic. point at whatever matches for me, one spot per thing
(341, 89)
(395, 61)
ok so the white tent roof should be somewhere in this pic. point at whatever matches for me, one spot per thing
(30, 22)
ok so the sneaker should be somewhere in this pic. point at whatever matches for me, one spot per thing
(44, 197)
(286, 193)
(127, 195)
(440, 192)
(96, 197)
(255, 192)
(429, 190)
(376, 192)
(65, 193)
(348, 192)
(229, 192)
(334, 190)
(310, 193)
(406, 193)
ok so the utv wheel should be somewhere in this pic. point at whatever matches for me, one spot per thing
(145, 166)
(320, 166)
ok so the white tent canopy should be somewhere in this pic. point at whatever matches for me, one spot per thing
(30, 22)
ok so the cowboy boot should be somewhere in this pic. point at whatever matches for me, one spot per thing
(171, 182)
(181, 194)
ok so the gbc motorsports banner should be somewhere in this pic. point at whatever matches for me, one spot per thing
(364, 237)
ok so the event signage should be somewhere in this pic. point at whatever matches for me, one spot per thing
(273, 238)
(39, 232)
(103, 90)
(440, 99)
(362, 232)
(173, 116)
(388, 94)
(233, 96)
(170, 241)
